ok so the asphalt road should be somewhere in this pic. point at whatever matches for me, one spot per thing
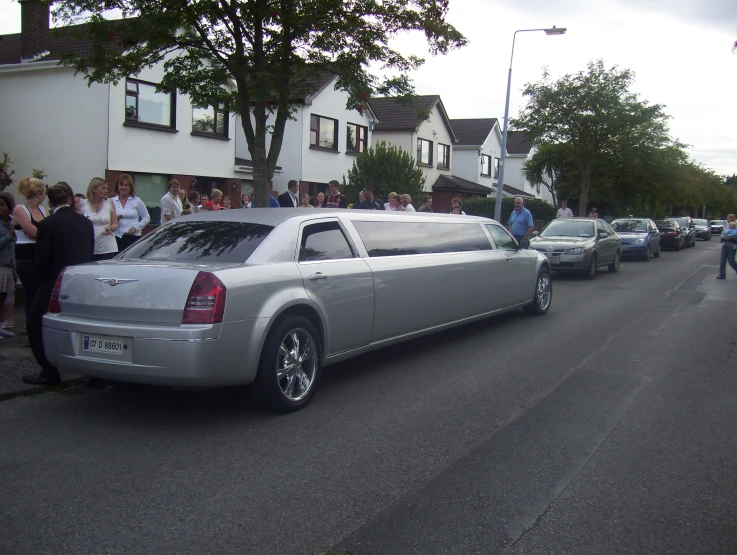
(607, 426)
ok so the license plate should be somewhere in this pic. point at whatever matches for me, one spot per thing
(555, 260)
(97, 344)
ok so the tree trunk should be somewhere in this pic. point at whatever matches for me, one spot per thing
(583, 200)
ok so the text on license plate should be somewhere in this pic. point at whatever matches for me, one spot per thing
(554, 259)
(113, 345)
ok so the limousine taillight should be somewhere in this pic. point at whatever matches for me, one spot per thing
(54, 307)
(206, 300)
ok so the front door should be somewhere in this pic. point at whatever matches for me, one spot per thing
(518, 265)
(339, 282)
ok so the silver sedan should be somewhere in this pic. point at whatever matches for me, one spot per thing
(268, 296)
(579, 244)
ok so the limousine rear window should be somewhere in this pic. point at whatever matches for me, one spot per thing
(398, 238)
(200, 241)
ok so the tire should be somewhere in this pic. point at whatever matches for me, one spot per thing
(282, 387)
(593, 266)
(656, 254)
(543, 294)
(678, 246)
(647, 255)
(614, 266)
(708, 238)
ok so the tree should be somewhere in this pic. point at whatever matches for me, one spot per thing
(546, 167)
(587, 113)
(258, 56)
(6, 174)
(386, 168)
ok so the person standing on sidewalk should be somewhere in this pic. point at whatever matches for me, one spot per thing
(729, 244)
(520, 223)
(64, 239)
(564, 211)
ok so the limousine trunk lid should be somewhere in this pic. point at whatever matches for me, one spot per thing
(126, 291)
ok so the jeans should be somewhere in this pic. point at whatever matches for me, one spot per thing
(727, 255)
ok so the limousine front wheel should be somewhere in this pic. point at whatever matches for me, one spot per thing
(290, 365)
(543, 294)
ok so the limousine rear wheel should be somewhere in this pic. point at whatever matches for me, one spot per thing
(543, 294)
(290, 365)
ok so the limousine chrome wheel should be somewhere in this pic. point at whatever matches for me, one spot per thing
(290, 365)
(543, 294)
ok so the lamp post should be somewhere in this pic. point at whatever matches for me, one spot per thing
(500, 182)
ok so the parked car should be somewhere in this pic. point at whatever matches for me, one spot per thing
(671, 235)
(269, 297)
(688, 228)
(579, 244)
(640, 237)
(703, 231)
(718, 226)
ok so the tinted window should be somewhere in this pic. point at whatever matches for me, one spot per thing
(503, 240)
(698, 222)
(397, 238)
(568, 228)
(638, 226)
(228, 242)
(666, 225)
(683, 222)
(324, 241)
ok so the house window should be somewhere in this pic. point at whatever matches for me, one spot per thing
(323, 132)
(210, 120)
(443, 156)
(424, 152)
(144, 105)
(496, 168)
(486, 165)
(150, 188)
(356, 138)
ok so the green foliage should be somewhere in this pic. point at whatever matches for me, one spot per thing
(386, 168)
(482, 206)
(258, 56)
(591, 113)
(6, 174)
(38, 173)
(546, 167)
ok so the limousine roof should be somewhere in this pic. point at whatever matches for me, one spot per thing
(275, 216)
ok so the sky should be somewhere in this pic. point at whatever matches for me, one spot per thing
(679, 50)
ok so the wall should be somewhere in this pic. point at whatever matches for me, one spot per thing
(434, 129)
(467, 164)
(153, 151)
(50, 119)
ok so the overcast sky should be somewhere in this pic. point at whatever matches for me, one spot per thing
(680, 51)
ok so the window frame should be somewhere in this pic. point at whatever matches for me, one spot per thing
(444, 162)
(339, 226)
(131, 122)
(496, 167)
(429, 163)
(504, 231)
(360, 130)
(318, 146)
(215, 111)
(488, 165)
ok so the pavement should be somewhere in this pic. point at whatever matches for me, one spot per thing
(606, 426)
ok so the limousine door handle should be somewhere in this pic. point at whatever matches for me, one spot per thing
(318, 276)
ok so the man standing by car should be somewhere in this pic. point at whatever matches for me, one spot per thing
(372, 202)
(64, 239)
(289, 199)
(520, 222)
(335, 199)
(564, 211)
(171, 204)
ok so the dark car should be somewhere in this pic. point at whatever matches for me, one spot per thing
(671, 235)
(640, 237)
(688, 229)
(703, 231)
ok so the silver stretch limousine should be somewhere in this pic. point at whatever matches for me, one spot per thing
(269, 296)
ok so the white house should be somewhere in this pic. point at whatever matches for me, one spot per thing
(429, 140)
(476, 156)
(320, 142)
(52, 121)
(520, 148)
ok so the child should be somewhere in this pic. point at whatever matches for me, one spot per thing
(729, 238)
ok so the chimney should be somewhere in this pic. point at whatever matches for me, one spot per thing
(34, 28)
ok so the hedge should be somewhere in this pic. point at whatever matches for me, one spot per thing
(481, 206)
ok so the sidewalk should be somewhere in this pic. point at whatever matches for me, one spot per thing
(16, 360)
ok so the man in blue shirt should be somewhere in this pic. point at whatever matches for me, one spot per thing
(520, 222)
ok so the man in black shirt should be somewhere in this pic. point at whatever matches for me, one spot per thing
(372, 202)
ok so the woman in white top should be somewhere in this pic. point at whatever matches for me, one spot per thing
(25, 221)
(406, 201)
(100, 210)
(131, 212)
(394, 204)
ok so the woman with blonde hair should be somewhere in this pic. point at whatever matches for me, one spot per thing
(25, 221)
(100, 210)
(394, 204)
(406, 201)
(215, 202)
(131, 212)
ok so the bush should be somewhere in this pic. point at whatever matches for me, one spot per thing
(481, 206)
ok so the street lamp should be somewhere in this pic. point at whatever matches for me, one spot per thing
(500, 182)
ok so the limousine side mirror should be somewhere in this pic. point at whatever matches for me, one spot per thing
(535, 233)
(524, 243)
